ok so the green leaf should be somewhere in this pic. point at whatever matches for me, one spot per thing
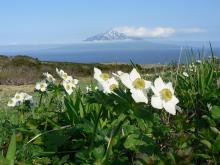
(207, 143)
(72, 114)
(216, 145)
(203, 156)
(98, 152)
(215, 130)
(11, 150)
(215, 112)
(132, 141)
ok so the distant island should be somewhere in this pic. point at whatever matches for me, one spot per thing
(111, 35)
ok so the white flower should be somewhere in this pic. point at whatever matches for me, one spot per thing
(49, 77)
(137, 85)
(105, 83)
(185, 74)
(41, 86)
(164, 96)
(12, 102)
(109, 86)
(68, 86)
(73, 81)
(68, 78)
(19, 97)
(27, 97)
(62, 74)
(99, 76)
(68, 82)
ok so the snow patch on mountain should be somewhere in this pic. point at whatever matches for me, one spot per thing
(110, 35)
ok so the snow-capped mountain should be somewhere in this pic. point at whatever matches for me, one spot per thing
(109, 36)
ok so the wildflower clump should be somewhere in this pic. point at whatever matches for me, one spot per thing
(67, 81)
(20, 98)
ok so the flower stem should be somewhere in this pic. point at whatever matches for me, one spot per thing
(40, 99)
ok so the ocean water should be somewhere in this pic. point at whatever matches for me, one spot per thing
(139, 52)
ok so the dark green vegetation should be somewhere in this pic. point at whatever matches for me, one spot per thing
(95, 128)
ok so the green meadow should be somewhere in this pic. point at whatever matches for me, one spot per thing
(109, 113)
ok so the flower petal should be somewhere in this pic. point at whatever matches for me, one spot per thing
(170, 87)
(106, 87)
(97, 74)
(159, 84)
(147, 84)
(125, 79)
(156, 92)
(112, 80)
(75, 81)
(97, 71)
(134, 75)
(100, 86)
(156, 102)
(37, 86)
(170, 107)
(174, 100)
(139, 96)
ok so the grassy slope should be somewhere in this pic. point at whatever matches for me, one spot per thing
(26, 70)
(20, 70)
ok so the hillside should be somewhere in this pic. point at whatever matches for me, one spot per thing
(27, 70)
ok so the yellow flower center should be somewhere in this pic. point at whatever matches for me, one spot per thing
(113, 87)
(17, 97)
(65, 75)
(139, 83)
(68, 87)
(105, 76)
(42, 86)
(166, 94)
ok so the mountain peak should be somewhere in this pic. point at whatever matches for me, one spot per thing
(109, 36)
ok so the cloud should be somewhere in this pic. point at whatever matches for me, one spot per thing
(191, 30)
(157, 32)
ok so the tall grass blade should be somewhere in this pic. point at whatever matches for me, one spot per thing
(11, 150)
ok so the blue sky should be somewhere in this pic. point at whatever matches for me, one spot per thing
(67, 21)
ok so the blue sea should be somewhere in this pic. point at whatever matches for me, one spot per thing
(142, 52)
